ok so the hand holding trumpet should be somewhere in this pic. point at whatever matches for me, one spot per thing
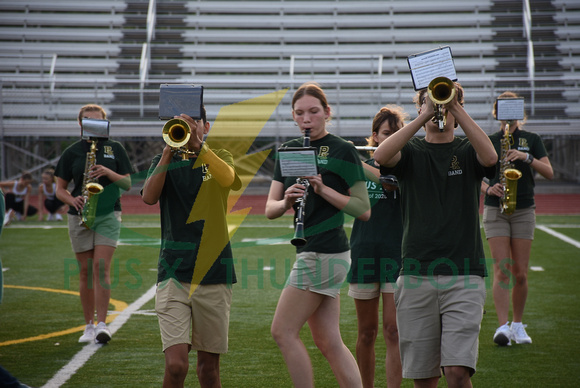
(441, 91)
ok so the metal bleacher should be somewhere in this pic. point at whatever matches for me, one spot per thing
(58, 55)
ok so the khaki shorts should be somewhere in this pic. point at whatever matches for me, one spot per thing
(366, 291)
(520, 224)
(201, 321)
(438, 318)
(323, 273)
(106, 231)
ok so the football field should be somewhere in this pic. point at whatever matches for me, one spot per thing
(41, 316)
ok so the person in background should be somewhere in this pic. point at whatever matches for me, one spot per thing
(510, 236)
(440, 292)
(47, 197)
(312, 289)
(7, 380)
(376, 259)
(195, 269)
(17, 198)
(94, 247)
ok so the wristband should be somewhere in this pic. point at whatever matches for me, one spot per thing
(529, 159)
(487, 190)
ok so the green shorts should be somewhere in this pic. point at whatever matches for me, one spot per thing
(438, 318)
(201, 321)
(105, 231)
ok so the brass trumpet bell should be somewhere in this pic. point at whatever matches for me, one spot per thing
(441, 90)
(176, 133)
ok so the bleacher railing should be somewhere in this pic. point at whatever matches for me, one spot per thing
(145, 63)
(531, 63)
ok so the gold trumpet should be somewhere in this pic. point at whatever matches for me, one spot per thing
(176, 133)
(441, 91)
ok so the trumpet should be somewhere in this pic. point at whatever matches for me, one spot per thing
(441, 91)
(176, 133)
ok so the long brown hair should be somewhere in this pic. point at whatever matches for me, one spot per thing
(394, 115)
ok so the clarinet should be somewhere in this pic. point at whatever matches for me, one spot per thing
(299, 240)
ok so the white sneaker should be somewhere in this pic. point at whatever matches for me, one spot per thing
(519, 333)
(503, 335)
(50, 217)
(8, 217)
(89, 334)
(103, 335)
(58, 217)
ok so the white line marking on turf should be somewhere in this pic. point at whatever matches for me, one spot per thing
(561, 236)
(67, 371)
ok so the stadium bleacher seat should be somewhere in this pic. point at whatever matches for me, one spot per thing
(71, 52)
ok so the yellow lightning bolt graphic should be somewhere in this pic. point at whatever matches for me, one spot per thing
(235, 129)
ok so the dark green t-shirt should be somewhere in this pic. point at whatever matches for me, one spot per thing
(375, 245)
(111, 154)
(440, 186)
(340, 167)
(193, 207)
(526, 142)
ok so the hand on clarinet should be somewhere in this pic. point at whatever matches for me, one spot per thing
(292, 193)
(316, 182)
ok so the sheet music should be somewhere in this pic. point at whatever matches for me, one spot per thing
(510, 109)
(298, 162)
(431, 64)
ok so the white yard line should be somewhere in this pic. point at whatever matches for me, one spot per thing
(67, 371)
(561, 236)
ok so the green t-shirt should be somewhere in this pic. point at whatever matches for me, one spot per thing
(111, 154)
(193, 206)
(440, 186)
(526, 142)
(375, 245)
(340, 167)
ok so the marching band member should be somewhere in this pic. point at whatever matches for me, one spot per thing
(376, 259)
(510, 236)
(311, 292)
(94, 247)
(195, 267)
(440, 292)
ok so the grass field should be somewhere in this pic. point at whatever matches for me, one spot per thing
(41, 317)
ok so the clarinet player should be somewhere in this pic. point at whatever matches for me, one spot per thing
(311, 294)
(510, 235)
(94, 247)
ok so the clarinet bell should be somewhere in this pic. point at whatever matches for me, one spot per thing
(298, 240)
